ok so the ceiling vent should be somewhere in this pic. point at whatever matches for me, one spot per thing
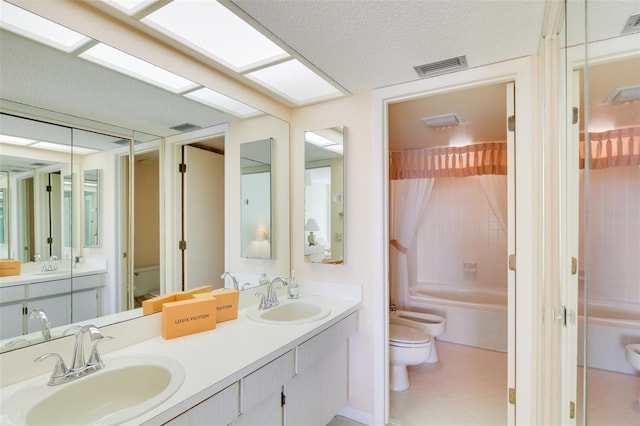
(632, 25)
(622, 95)
(186, 127)
(441, 67)
(442, 121)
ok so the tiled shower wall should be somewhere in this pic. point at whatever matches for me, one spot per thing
(459, 233)
(614, 234)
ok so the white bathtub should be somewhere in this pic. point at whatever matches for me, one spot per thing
(478, 317)
(475, 317)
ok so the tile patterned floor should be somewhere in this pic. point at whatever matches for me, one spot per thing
(467, 387)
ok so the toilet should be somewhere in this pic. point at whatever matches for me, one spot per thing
(632, 354)
(407, 346)
(431, 324)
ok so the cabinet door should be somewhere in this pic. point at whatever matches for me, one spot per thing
(58, 309)
(267, 412)
(84, 305)
(220, 409)
(314, 396)
(12, 319)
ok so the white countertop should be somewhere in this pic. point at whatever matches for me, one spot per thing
(32, 273)
(217, 358)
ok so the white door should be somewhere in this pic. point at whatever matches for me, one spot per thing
(203, 218)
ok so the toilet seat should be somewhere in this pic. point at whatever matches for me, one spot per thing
(403, 336)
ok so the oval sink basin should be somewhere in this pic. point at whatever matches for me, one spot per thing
(289, 312)
(126, 388)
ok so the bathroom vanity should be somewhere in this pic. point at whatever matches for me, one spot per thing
(244, 372)
(62, 298)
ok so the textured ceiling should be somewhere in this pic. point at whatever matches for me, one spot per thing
(364, 44)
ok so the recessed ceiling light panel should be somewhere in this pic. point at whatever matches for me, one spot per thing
(30, 25)
(15, 140)
(213, 30)
(130, 65)
(129, 6)
(219, 101)
(295, 82)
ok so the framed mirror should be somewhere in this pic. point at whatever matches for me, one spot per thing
(4, 217)
(256, 188)
(324, 195)
(91, 208)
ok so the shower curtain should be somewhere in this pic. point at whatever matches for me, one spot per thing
(495, 188)
(409, 198)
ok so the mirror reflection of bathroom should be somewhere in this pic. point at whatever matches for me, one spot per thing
(255, 189)
(448, 250)
(609, 241)
(324, 195)
(202, 215)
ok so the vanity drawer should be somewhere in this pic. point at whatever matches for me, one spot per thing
(49, 288)
(86, 282)
(220, 409)
(12, 294)
(319, 345)
(263, 382)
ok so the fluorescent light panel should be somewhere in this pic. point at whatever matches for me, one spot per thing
(446, 120)
(317, 140)
(129, 6)
(213, 30)
(63, 148)
(294, 81)
(15, 140)
(130, 65)
(624, 94)
(335, 148)
(217, 100)
(32, 26)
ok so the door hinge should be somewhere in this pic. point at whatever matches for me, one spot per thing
(511, 123)
(512, 262)
(48, 188)
(182, 168)
(512, 396)
(182, 245)
(574, 266)
(283, 399)
(24, 310)
(574, 115)
(49, 240)
(572, 410)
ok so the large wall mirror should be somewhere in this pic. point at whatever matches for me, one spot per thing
(324, 195)
(255, 186)
(93, 218)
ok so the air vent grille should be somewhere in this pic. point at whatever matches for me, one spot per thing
(441, 67)
(632, 25)
(121, 142)
(186, 127)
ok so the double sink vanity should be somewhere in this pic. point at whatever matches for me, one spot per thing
(283, 365)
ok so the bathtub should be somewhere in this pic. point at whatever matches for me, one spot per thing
(611, 325)
(475, 317)
(478, 317)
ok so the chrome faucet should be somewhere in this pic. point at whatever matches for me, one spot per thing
(233, 278)
(271, 298)
(79, 367)
(51, 265)
(45, 325)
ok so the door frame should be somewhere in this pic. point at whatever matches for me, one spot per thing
(526, 360)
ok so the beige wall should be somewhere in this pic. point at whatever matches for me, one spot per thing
(147, 215)
(355, 113)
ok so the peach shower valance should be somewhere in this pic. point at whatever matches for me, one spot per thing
(613, 148)
(471, 160)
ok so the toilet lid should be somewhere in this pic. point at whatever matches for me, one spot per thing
(404, 334)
